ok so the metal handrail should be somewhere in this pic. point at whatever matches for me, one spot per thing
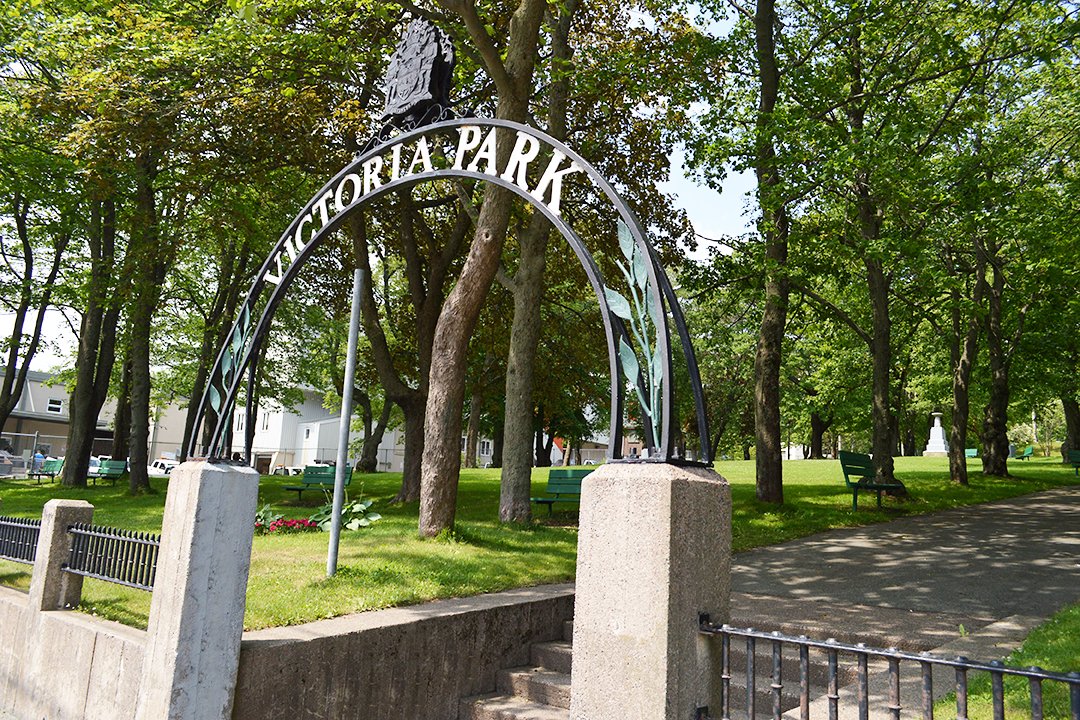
(962, 665)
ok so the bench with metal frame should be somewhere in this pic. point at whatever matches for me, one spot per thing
(971, 452)
(1029, 451)
(49, 469)
(1074, 458)
(563, 485)
(317, 477)
(109, 470)
(861, 466)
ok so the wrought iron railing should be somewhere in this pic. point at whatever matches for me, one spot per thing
(19, 539)
(835, 675)
(119, 556)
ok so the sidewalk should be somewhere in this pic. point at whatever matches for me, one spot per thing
(1006, 558)
(972, 581)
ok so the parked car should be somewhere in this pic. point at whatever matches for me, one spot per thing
(161, 466)
(290, 470)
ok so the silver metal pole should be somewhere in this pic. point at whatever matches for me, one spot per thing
(346, 417)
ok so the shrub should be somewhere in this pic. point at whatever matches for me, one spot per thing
(354, 514)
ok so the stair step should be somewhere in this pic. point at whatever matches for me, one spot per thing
(504, 707)
(539, 685)
(556, 656)
(568, 630)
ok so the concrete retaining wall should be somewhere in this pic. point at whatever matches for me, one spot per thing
(64, 665)
(415, 662)
(410, 663)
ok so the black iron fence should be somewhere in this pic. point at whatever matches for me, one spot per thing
(834, 675)
(119, 556)
(19, 539)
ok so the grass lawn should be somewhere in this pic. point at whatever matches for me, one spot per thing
(387, 564)
(1052, 646)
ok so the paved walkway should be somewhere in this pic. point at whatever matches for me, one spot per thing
(917, 579)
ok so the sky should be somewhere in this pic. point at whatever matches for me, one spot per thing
(713, 214)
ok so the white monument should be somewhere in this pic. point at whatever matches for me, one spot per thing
(936, 445)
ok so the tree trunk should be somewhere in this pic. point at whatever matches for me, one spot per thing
(995, 436)
(818, 426)
(774, 229)
(516, 485)
(150, 260)
(881, 352)
(97, 347)
(461, 310)
(497, 446)
(369, 454)
(122, 419)
(415, 439)
(964, 352)
(528, 288)
(472, 431)
(1072, 424)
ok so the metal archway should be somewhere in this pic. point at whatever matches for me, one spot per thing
(382, 169)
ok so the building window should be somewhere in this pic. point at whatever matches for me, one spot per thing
(56, 405)
(462, 443)
(485, 447)
(307, 433)
(266, 421)
(239, 422)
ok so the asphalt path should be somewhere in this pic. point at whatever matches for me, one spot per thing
(1012, 557)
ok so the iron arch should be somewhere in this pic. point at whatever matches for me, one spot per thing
(370, 180)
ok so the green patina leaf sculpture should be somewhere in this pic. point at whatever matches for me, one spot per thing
(230, 362)
(642, 317)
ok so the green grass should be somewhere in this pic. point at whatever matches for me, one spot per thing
(1052, 646)
(388, 565)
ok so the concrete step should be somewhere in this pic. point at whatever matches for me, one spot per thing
(556, 656)
(505, 707)
(568, 631)
(538, 685)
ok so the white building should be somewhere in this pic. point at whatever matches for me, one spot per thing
(306, 435)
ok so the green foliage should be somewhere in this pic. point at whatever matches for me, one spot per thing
(264, 517)
(355, 514)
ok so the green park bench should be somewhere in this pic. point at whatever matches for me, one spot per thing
(1074, 458)
(861, 466)
(108, 470)
(49, 469)
(971, 452)
(563, 485)
(1028, 452)
(317, 477)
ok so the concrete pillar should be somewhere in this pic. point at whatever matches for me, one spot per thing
(50, 587)
(197, 612)
(654, 551)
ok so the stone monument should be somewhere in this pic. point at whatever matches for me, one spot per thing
(936, 446)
